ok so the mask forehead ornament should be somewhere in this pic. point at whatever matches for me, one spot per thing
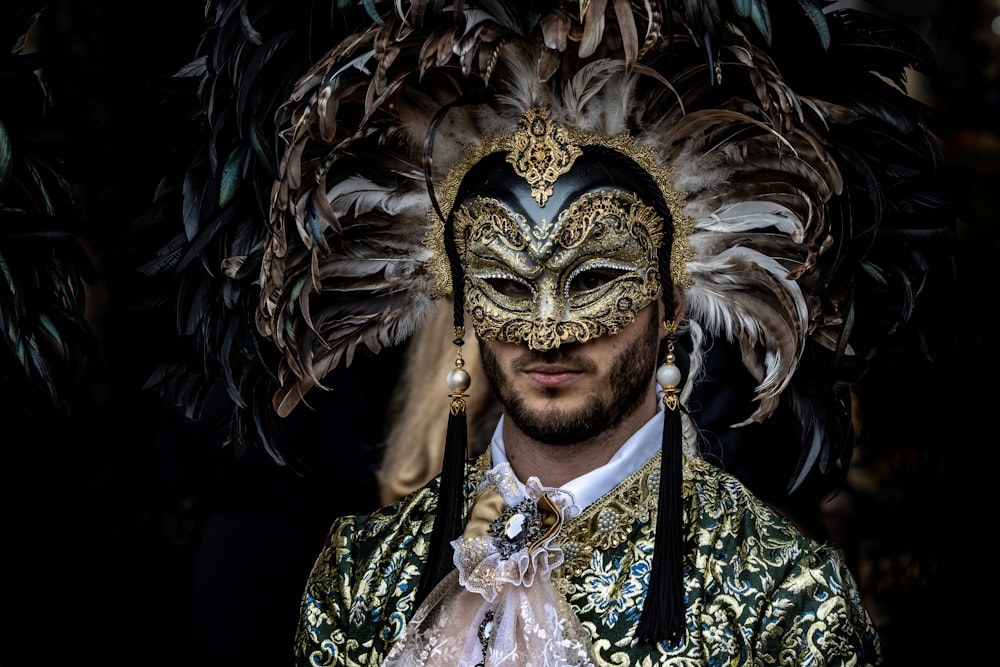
(557, 245)
(542, 151)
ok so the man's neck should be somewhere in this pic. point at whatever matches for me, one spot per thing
(554, 465)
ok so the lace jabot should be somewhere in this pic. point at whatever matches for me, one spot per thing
(500, 606)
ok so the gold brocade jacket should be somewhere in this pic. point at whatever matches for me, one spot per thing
(758, 591)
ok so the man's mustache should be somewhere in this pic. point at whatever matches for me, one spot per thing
(560, 356)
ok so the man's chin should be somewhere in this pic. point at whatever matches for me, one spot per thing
(555, 426)
(555, 434)
(557, 409)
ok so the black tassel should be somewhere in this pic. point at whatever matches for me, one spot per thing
(451, 493)
(663, 611)
(451, 498)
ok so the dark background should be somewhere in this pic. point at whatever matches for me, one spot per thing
(132, 536)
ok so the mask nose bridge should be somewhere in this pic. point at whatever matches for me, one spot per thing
(549, 305)
(549, 308)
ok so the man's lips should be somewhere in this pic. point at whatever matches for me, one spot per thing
(551, 375)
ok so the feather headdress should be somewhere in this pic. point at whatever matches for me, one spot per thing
(809, 174)
(807, 169)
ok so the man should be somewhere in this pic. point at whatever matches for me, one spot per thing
(562, 281)
(587, 185)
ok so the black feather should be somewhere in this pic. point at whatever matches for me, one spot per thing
(45, 264)
(249, 58)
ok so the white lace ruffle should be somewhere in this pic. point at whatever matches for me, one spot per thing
(500, 607)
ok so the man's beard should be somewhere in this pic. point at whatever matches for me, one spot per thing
(627, 384)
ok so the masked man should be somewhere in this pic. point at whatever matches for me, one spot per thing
(585, 184)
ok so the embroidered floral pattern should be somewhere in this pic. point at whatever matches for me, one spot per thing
(758, 593)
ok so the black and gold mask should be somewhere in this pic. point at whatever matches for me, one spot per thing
(558, 239)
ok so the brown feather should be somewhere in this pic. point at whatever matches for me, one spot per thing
(627, 30)
(593, 20)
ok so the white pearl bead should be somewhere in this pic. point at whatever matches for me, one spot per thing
(459, 380)
(668, 376)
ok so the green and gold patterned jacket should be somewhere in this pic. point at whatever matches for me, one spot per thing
(758, 591)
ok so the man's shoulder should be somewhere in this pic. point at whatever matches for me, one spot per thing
(709, 481)
(723, 511)
(718, 496)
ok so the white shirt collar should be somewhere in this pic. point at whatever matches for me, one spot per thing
(590, 486)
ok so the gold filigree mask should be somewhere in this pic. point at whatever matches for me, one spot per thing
(585, 274)
(557, 234)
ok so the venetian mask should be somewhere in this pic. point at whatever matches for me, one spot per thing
(558, 234)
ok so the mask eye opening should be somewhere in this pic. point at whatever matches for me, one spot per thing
(510, 286)
(590, 277)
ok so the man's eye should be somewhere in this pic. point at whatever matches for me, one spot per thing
(514, 289)
(592, 279)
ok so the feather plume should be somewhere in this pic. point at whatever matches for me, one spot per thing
(813, 181)
(247, 63)
(759, 162)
